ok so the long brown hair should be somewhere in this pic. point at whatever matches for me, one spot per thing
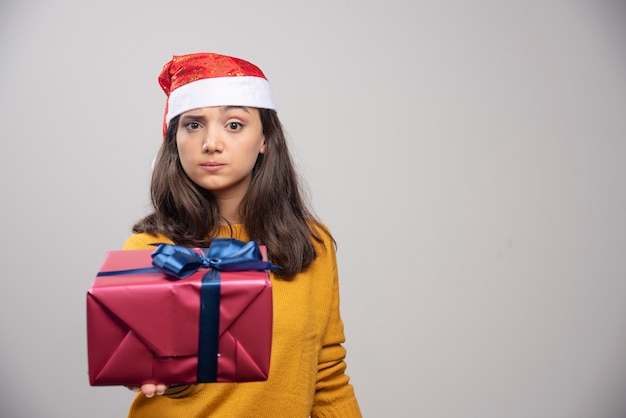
(273, 210)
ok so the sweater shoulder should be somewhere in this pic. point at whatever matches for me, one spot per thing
(144, 241)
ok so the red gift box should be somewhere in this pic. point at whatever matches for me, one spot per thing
(144, 326)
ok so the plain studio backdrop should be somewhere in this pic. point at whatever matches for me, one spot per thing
(469, 156)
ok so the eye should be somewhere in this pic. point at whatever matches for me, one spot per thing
(192, 126)
(234, 126)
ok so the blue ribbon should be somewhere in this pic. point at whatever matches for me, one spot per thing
(224, 254)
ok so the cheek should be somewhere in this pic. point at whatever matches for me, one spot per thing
(184, 149)
(183, 156)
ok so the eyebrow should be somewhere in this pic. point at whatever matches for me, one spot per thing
(191, 117)
(227, 108)
(223, 109)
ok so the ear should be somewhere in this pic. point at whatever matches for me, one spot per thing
(262, 150)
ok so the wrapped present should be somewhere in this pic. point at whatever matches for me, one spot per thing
(181, 316)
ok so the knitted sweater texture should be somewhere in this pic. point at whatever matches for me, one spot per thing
(307, 368)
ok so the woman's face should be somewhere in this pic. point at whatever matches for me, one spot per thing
(218, 147)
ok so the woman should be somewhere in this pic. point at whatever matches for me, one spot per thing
(224, 170)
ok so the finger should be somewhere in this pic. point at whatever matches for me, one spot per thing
(160, 389)
(148, 390)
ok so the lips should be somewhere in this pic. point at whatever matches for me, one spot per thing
(212, 166)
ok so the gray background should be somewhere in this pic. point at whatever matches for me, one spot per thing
(468, 156)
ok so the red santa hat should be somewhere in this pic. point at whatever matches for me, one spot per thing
(207, 79)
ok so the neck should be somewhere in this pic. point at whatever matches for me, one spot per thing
(229, 210)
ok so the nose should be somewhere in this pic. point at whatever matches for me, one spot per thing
(212, 142)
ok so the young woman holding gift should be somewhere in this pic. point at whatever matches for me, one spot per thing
(224, 170)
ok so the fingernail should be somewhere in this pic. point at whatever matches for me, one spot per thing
(150, 395)
(160, 393)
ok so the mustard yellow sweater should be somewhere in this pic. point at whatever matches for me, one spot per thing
(307, 368)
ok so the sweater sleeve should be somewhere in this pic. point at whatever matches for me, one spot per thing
(334, 397)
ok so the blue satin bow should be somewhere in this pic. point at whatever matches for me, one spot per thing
(225, 254)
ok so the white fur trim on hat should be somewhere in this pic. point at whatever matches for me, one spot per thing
(222, 91)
